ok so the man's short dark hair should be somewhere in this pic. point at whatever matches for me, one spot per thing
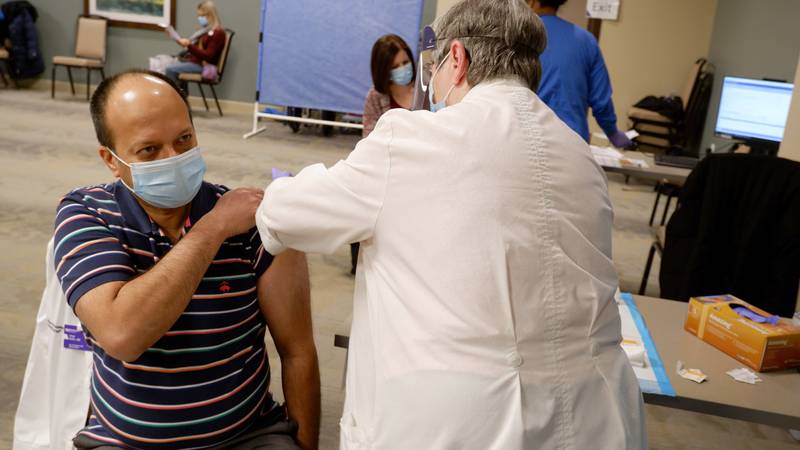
(383, 53)
(552, 3)
(103, 91)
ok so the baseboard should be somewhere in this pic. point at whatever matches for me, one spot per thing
(232, 107)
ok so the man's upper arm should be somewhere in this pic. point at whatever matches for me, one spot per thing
(284, 296)
(86, 253)
(600, 90)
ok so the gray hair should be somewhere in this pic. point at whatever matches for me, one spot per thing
(503, 38)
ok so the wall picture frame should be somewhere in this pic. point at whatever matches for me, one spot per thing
(145, 14)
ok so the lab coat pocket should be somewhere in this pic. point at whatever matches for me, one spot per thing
(352, 437)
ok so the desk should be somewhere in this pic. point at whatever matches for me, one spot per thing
(674, 175)
(774, 401)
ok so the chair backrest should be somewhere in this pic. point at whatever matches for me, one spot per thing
(688, 89)
(90, 39)
(223, 57)
(736, 230)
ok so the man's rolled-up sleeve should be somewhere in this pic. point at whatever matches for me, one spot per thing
(321, 209)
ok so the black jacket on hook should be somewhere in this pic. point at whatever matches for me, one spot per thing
(25, 58)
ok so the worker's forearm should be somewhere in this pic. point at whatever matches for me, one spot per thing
(146, 307)
(302, 393)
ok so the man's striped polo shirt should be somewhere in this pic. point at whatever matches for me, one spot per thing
(206, 380)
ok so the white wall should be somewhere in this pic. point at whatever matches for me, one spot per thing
(651, 48)
(790, 147)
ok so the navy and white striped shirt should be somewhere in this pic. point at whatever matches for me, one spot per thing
(206, 380)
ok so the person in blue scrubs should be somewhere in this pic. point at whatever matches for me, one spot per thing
(574, 75)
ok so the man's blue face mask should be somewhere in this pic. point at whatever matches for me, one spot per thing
(442, 104)
(203, 21)
(168, 183)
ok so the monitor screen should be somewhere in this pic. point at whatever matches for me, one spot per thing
(753, 109)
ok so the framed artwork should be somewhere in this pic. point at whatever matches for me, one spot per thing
(146, 14)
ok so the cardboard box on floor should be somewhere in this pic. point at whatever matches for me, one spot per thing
(761, 346)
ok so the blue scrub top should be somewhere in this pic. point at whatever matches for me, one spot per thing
(574, 77)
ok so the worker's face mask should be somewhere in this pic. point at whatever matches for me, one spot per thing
(402, 75)
(442, 104)
(168, 183)
(203, 21)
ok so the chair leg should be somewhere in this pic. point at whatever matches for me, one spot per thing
(88, 81)
(655, 205)
(203, 94)
(666, 209)
(71, 84)
(647, 267)
(102, 73)
(215, 99)
(3, 76)
(53, 83)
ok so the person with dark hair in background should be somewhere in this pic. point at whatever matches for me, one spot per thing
(574, 75)
(393, 74)
(175, 291)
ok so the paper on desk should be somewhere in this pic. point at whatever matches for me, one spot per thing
(631, 134)
(695, 375)
(171, 31)
(744, 375)
(611, 157)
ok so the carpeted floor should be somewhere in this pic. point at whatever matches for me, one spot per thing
(47, 147)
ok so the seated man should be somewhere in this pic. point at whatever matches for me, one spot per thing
(175, 291)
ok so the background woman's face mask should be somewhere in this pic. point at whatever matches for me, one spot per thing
(402, 75)
(168, 183)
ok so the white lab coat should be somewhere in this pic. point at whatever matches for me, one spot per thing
(483, 314)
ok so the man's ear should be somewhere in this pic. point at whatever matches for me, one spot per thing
(109, 161)
(460, 62)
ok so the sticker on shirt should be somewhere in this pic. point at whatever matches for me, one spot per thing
(74, 339)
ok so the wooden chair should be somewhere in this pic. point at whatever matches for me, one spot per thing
(200, 81)
(90, 52)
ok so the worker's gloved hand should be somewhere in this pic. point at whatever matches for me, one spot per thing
(278, 173)
(619, 140)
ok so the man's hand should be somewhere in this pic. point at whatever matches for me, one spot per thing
(235, 212)
(619, 140)
(183, 42)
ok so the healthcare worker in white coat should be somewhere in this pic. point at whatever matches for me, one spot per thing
(484, 315)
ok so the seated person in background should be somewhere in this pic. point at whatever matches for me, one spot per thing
(207, 50)
(574, 75)
(175, 291)
(393, 76)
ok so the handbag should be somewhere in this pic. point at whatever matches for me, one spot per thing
(209, 72)
(54, 401)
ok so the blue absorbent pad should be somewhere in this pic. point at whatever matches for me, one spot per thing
(662, 384)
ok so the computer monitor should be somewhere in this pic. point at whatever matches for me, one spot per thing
(754, 111)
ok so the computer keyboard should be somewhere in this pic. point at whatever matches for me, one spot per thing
(684, 162)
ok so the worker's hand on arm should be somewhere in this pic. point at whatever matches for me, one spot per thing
(126, 318)
(283, 293)
(183, 42)
(619, 140)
